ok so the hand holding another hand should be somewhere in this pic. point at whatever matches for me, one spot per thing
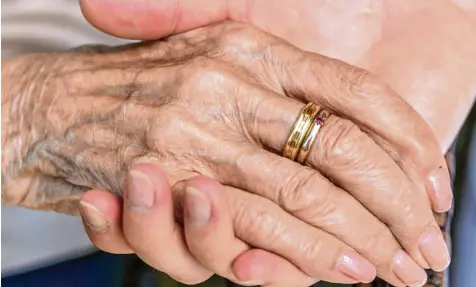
(219, 102)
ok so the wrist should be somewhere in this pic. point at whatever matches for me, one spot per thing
(26, 99)
(23, 79)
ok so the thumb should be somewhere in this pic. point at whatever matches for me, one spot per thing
(151, 19)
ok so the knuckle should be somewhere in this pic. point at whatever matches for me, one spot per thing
(410, 222)
(306, 198)
(205, 75)
(410, 225)
(322, 258)
(378, 244)
(242, 37)
(254, 223)
(359, 84)
(341, 143)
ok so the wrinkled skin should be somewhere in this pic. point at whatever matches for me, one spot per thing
(218, 102)
(410, 44)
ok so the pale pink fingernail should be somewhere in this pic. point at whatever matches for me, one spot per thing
(357, 267)
(440, 184)
(434, 249)
(95, 220)
(140, 193)
(407, 270)
(198, 206)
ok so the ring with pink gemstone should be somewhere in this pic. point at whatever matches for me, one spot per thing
(311, 135)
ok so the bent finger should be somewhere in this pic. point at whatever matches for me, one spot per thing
(210, 237)
(264, 225)
(208, 227)
(150, 227)
(357, 95)
(309, 196)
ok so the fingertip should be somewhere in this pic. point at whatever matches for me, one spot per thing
(215, 193)
(101, 213)
(205, 207)
(440, 190)
(105, 202)
(197, 211)
(265, 268)
(253, 264)
(156, 175)
(205, 184)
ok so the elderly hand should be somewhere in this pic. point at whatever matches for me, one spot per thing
(412, 45)
(220, 102)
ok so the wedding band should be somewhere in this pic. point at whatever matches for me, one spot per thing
(299, 131)
(311, 135)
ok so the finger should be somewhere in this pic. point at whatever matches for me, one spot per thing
(312, 198)
(146, 20)
(208, 228)
(357, 164)
(274, 270)
(365, 100)
(354, 94)
(150, 228)
(101, 212)
(351, 159)
(214, 243)
(262, 224)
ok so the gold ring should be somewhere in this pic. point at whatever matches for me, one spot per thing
(299, 131)
(311, 135)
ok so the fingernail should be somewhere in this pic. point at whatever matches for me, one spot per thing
(434, 249)
(440, 184)
(408, 271)
(140, 191)
(354, 265)
(94, 218)
(198, 206)
(251, 283)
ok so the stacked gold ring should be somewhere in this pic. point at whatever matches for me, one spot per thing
(304, 132)
(299, 131)
(311, 136)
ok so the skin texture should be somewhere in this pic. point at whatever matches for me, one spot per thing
(410, 44)
(399, 40)
(220, 102)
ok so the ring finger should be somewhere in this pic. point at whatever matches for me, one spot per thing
(356, 163)
(301, 190)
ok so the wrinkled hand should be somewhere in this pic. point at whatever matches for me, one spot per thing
(412, 45)
(220, 102)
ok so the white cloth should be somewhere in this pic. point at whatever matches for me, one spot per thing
(34, 239)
